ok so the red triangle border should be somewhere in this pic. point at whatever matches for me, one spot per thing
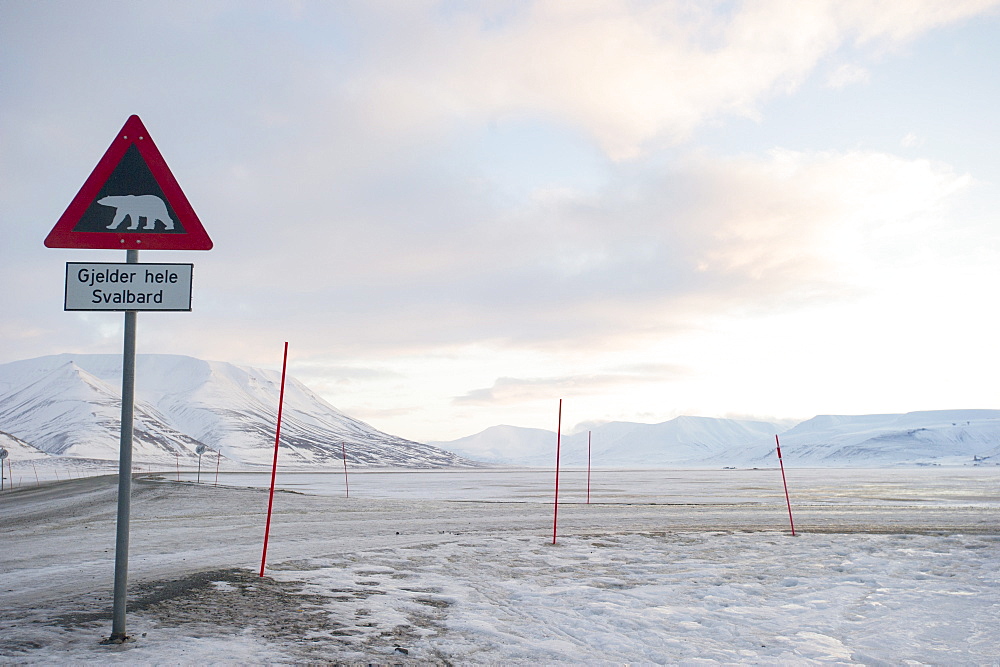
(132, 133)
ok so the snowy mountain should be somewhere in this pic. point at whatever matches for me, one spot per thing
(937, 436)
(916, 438)
(504, 444)
(70, 405)
(62, 409)
(682, 441)
(19, 449)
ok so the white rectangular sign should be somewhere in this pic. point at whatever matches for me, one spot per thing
(105, 286)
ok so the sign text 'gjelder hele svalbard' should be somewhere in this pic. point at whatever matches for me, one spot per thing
(104, 286)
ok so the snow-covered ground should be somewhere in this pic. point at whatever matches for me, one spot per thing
(889, 567)
(964, 485)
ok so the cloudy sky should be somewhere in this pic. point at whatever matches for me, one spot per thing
(458, 213)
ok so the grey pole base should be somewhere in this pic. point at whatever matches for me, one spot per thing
(124, 472)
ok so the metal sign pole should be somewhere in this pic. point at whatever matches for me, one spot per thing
(124, 470)
(132, 181)
(555, 505)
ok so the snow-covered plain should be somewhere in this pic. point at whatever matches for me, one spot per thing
(889, 567)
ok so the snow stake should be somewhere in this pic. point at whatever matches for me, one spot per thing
(588, 467)
(200, 449)
(218, 459)
(555, 511)
(274, 466)
(788, 502)
(343, 455)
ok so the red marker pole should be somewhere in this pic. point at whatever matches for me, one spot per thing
(343, 454)
(588, 467)
(555, 512)
(788, 501)
(274, 466)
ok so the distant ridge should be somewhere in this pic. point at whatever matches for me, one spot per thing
(945, 437)
(684, 441)
(927, 437)
(70, 405)
(19, 449)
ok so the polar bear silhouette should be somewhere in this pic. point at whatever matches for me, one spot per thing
(149, 207)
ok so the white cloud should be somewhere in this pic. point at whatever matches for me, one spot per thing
(629, 73)
(331, 151)
(702, 234)
(901, 21)
(847, 75)
(510, 390)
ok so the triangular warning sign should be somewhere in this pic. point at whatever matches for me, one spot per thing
(131, 201)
